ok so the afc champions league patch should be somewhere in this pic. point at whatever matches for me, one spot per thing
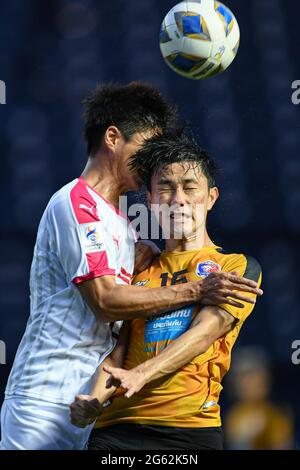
(91, 235)
(205, 268)
(168, 326)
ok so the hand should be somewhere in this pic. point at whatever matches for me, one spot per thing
(131, 380)
(145, 252)
(219, 286)
(84, 410)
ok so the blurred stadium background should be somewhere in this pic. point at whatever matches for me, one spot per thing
(52, 53)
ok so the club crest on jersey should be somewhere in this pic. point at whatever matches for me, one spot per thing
(92, 238)
(205, 268)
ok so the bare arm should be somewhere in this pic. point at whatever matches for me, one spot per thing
(115, 359)
(210, 324)
(111, 302)
(86, 408)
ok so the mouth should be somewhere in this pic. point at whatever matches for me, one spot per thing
(178, 215)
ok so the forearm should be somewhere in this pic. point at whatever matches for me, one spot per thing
(99, 389)
(210, 324)
(176, 355)
(128, 302)
(115, 359)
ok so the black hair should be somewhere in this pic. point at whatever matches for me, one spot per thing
(165, 149)
(136, 107)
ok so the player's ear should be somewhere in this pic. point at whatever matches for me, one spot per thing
(112, 137)
(213, 195)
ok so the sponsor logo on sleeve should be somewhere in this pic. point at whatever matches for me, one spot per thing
(205, 268)
(91, 236)
(141, 283)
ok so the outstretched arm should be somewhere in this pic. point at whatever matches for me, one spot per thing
(111, 302)
(210, 324)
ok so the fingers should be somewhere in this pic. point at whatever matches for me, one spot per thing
(86, 408)
(219, 300)
(116, 376)
(111, 382)
(129, 393)
(115, 372)
(245, 288)
(238, 296)
(246, 283)
(82, 418)
(82, 397)
(133, 386)
(234, 303)
(120, 375)
(233, 277)
(220, 280)
(79, 421)
(131, 381)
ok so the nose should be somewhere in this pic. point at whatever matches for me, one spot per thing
(178, 197)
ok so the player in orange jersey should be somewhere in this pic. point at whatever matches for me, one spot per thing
(170, 381)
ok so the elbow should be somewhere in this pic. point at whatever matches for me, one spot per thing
(105, 316)
(106, 313)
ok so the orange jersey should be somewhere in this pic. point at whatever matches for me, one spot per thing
(188, 397)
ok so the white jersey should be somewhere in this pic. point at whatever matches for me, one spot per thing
(81, 236)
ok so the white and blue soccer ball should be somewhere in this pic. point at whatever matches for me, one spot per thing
(200, 38)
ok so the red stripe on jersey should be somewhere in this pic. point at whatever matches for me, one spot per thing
(93, 275)
(85, 210)
(98, 261)
(125, 273)
(84, 206)
(117, 211)
(125, 279)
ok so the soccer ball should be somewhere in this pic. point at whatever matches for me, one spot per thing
(199, 39)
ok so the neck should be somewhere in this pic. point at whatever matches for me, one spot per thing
(102, 175)
(192, 243)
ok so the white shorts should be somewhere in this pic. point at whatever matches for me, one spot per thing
(32, 424)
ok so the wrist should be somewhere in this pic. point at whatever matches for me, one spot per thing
(193, 291)
(146, 371)
(94, 396)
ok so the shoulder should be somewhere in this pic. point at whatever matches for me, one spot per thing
(59, 203)
(74, 201)
(236, 261)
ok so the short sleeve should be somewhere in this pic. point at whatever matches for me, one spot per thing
(80, 239)
(248, 267)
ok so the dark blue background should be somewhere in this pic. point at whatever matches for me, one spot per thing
(52, 53)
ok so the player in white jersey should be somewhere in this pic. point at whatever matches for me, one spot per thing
(82, 266)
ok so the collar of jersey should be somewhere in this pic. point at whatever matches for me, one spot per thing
(178, 253)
